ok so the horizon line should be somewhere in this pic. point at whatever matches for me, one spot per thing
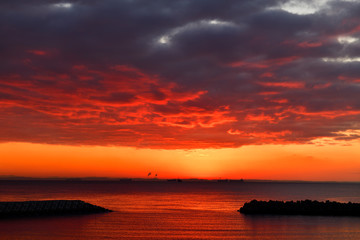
(139, 179)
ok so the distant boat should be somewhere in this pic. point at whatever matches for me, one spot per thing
(125, 180)
(174, 180)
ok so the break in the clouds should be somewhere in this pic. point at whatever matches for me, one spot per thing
(179, 74)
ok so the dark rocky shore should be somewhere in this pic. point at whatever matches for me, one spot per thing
(47, 208)
(306, 207)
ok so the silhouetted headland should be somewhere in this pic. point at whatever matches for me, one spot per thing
(48, 208)
(306, 207)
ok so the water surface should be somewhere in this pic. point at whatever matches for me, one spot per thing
(172, 210)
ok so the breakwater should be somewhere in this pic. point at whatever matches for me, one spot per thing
(305, 207)
(48, 208)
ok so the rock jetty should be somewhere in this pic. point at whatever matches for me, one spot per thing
(48, 208)
(305, 207)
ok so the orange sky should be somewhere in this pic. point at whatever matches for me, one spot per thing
(278, 162)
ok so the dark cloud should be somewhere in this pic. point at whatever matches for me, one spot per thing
(177, 74)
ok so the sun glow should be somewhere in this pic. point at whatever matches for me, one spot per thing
(298, 161)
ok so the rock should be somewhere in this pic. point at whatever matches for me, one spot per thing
(306, 207)
(48, 208)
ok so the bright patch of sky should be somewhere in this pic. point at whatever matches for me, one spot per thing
(322, 141)
(343, 59)
(304, 7)
(349, 132)
(346, 39)
(63, 5)
(166, 38)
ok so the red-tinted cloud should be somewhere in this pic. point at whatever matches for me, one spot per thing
(37, 52)
(189, 75)
(283, 84)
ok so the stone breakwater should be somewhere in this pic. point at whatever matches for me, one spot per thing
(306, 207)
(48, 208)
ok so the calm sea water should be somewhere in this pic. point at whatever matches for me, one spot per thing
(172, 210)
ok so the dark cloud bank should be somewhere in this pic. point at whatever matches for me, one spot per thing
(178, 74)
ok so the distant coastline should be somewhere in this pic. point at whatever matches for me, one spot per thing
(110, 179)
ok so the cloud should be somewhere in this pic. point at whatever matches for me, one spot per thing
(179, 74)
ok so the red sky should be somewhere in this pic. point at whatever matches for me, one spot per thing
(231, 89)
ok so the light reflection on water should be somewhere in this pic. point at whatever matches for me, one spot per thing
(165, 210)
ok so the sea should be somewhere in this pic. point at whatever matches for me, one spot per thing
(159, 210)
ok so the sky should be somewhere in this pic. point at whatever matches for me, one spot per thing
(255, 89)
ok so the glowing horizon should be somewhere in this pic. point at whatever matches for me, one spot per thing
(269, 162)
